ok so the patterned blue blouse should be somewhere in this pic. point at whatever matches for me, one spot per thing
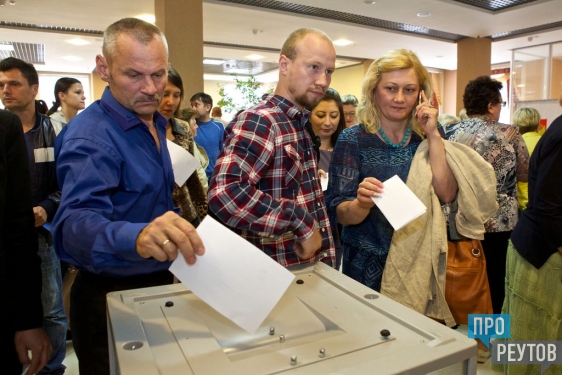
(357, 155)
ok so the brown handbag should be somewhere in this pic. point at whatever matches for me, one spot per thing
(466, 286)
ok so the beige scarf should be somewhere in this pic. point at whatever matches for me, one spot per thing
(414, 274)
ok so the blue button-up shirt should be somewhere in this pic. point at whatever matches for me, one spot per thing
(114, 182)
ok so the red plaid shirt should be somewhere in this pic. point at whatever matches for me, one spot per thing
(265, 185)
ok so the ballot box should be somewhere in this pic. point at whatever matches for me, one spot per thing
(325, 323)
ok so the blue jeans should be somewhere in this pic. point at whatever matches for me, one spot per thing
(54, 318)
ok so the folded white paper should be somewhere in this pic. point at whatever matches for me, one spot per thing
(398, 203)
(183, 163)
(233, 276)
(324, 182)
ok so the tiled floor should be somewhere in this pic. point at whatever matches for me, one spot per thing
(71, 362)
(483, 368)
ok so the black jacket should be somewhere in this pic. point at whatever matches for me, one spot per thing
(44, 187)
(20, 272)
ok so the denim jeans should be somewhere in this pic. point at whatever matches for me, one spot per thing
(54, 318)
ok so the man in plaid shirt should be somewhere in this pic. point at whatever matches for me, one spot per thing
(265, 184)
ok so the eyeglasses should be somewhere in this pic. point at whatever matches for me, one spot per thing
(348, 114)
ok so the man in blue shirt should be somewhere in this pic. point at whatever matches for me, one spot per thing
(211, 132)
(116, 221)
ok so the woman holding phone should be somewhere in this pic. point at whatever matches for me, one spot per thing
(394, 117)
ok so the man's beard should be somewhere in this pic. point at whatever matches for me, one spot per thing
(306, 102)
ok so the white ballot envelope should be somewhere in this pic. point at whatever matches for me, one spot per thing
(233, 276)
(398, 203)
(183, 163)
(324, 182)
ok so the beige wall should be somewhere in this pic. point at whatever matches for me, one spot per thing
(450, 93)
(348, 80)
(556, 79)
(97, 85)
(473, 60)
(182, 22)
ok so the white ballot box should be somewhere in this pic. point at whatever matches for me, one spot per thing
(326, 323)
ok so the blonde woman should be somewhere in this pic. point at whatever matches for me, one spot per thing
(527, 119)
(394, 117)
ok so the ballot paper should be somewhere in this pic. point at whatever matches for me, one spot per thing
(324, 182)
(233, 276)
(398, 203)
(183, 163)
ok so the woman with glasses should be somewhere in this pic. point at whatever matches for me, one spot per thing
(349, 109)
(502, 146)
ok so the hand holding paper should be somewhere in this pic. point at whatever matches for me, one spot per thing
(183, 163)
(398, 203)
(234, 277)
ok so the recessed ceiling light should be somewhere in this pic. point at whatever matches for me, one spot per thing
(237, 71)
(71, 58)
(368, 2)
(147, 17)
(213, 62)
(424, 14)
(78, 42)
(342, 42)
(6, 47)
(254, 57)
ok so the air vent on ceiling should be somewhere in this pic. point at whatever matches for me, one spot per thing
(354, 19)
(32, 53)
(495, 5)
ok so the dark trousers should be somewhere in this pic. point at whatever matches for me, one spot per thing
(89, 319)
(495, 250)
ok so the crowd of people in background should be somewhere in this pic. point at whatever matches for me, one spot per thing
(94, 187)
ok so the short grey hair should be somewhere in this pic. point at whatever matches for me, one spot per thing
(349, 99)
(142, 31)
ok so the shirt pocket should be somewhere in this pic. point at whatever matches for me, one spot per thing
(293, 168)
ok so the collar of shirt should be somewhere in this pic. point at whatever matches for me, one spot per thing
(176, 127)
(290, 109)
(124, 117)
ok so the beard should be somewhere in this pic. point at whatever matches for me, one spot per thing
(306, 102)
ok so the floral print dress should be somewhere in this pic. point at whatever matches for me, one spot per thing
(502, 146)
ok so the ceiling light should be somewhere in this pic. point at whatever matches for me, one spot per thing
(369, 2)
(237, 71)
(6, 47)
(342, 42)
(414, 29)
(146, 17)
(254, 57)
(78, 42)
(12, 2)
(71, 58)
(423, 14)
(212, 62)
